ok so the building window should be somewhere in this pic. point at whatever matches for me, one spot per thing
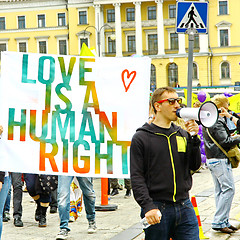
(131, 44)
(172, 11)
(152, 13)
(223, 7)
(82, 17)
(63, 47)
(111, 45)
(111, 15)
(173, 41)
(61, 19)
(153, 78)
(83, 40)
(3, 47)
(41, 21)
(195, 71)
(225, 70)
(42, 46)
(172, 75)
(2, 23)
(196, 41)
(21, 22)
(224, 38)
(152, 44)
(22, 47)
(130, 14)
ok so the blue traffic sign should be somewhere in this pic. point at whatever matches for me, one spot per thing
(192, 15)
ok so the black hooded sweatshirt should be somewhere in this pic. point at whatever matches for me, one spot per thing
(160, 164)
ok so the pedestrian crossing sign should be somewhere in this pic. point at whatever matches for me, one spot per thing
(191, 15)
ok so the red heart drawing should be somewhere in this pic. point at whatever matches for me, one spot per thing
(130, 76)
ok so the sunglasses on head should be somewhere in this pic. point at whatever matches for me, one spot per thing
(171, 100)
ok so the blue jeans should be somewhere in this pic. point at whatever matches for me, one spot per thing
(3, 196)
(89, 197)
(8, 200)
(178, 222)
(223, 180)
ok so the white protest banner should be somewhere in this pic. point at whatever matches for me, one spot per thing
(71, 115)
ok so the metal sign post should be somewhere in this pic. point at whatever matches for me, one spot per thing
(191, 19)
(191, 32)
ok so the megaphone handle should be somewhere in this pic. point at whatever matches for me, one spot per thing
(191, 133)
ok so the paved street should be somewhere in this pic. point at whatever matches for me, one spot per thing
(123, 224)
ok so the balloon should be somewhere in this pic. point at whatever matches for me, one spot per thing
(226, 94)
(203, 158)
(201, 96)
(208, 98)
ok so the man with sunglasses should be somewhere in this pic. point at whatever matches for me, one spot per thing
(161, 158)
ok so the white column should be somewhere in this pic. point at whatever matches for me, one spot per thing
(181, 43)
(160, 28)
(102, 32)
(203, 42)
(118, 29)
(138, 25)
(97, 25)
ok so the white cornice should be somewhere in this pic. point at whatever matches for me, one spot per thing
(33, 29)
(119, 1)
(31, 5)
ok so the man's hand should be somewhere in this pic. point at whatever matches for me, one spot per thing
(153, 217)
(1, 129)
(0, 186)
(192, 127)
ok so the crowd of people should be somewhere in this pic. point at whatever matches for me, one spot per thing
(164, 153)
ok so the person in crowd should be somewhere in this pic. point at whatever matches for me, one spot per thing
(115, 186)
(38, 187)
(89, 198)
(53, 203)
(76, 200)
(232, 117)
(17, 184)
(220, 167)
(161, 158)
(6, 210)
(4, 188)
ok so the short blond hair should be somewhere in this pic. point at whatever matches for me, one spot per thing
(220, 100)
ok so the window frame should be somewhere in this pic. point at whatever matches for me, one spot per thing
(113, 41)
(228, 35)
(111, 15)
(4, 28)
(6, 43)
(132, 15)
(128, 36)
(153, 78)
(60, 18)
(18, 45)
(150, 12)
(172, 11)
(86, 15)
(170, 41)
(42, 39)
(229, 70)
(227, 8)
(171, 63)
(19, 22)
(197, 72)
(148, 46)
(62, 39)
(38, 20)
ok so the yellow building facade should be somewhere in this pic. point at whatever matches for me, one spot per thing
(126, 28)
